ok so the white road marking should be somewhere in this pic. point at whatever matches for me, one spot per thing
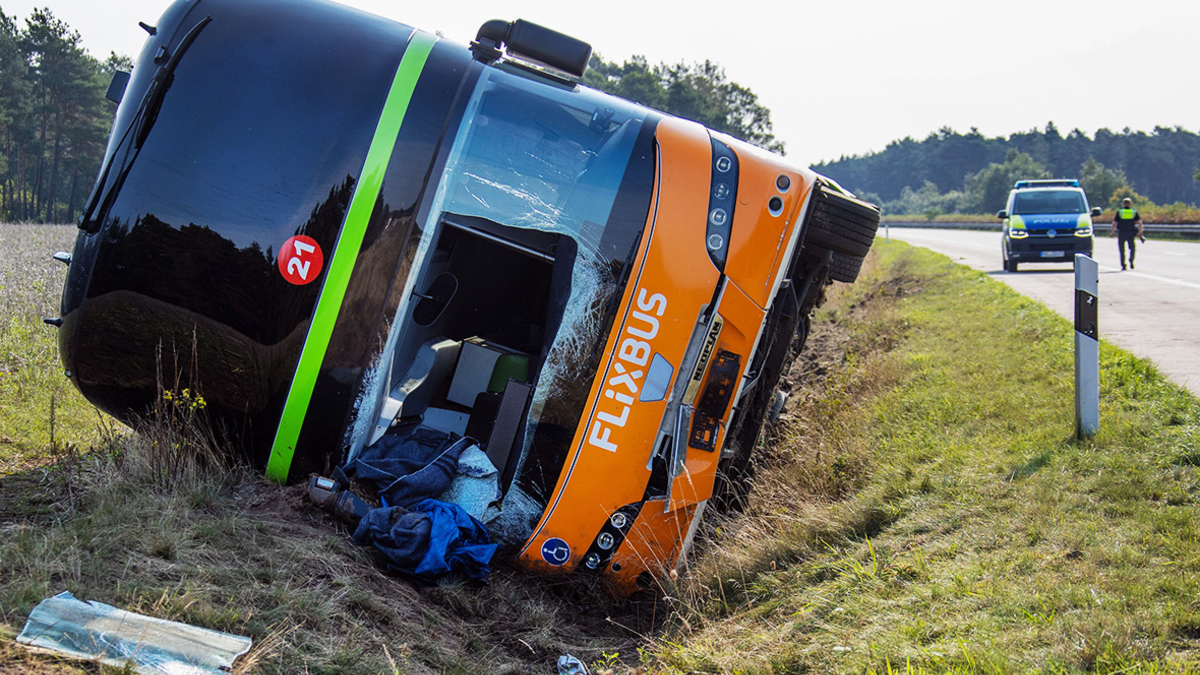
(1155, 277)
(1107, 268)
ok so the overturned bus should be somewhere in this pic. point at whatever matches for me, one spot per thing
(337, 228)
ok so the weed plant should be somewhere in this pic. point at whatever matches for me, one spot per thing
(928, 508)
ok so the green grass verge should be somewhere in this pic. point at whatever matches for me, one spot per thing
(931, 511)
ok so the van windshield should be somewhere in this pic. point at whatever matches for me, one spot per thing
(1047, 202)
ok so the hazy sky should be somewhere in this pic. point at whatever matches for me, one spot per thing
(844, 77)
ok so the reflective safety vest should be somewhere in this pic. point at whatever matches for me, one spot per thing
(1127, 214)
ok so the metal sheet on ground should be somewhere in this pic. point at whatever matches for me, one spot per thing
(98, 632)
(1152, 311)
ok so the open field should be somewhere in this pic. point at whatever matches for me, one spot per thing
(33, 390)
(923, 508)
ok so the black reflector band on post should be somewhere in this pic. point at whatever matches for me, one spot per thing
(1086, 314)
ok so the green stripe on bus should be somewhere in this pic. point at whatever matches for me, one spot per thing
(345, 253)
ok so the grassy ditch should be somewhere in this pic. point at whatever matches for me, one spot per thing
(927, 508)
(923, 508)
(156, 522)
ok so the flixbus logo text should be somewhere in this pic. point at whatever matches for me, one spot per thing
(628, 370)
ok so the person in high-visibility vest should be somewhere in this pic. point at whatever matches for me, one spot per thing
(1127, 225)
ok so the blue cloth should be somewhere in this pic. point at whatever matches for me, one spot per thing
(408, 468)
(428, 540)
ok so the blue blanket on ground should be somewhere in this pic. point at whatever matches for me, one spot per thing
(422, 538)
(406, 469)
(428, 540)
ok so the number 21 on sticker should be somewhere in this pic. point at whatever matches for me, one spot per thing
(300, 260)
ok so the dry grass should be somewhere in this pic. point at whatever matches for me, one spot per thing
(158, 521)
(213, 545)
(30, 282)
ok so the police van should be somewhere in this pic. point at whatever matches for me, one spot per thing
(1046, 221)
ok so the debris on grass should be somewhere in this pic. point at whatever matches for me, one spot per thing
(94, 631)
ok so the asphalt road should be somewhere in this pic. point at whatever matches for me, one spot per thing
(1152, 311)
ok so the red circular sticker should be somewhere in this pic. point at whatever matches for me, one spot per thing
(300, 260)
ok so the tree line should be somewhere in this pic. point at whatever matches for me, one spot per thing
(54, 124)
(54, 118)
(700, 92)
(977, 172)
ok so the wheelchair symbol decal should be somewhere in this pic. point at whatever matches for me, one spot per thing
(556, 551)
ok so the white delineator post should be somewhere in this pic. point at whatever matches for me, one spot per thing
(1087, 347)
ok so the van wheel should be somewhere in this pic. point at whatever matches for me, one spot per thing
(841, 223)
